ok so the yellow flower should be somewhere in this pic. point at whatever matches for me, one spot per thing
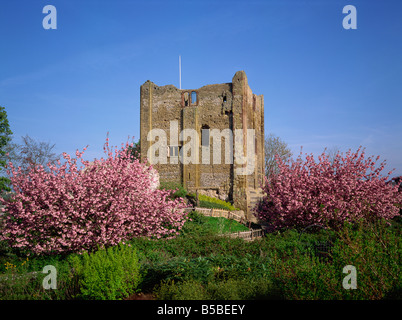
(9, 265)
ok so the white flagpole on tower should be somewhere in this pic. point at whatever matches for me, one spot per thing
(180, 71)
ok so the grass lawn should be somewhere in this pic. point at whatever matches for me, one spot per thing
(223, 225)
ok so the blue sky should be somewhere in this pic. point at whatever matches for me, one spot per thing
(323, 85)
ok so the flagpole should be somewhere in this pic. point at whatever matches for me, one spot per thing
(180, 71)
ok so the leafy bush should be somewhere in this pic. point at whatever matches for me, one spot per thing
(22, 279)
(373, 249)
(185, 290)
(177, 189)
(214, 267)
(178, 269)
(232, 289)
(15, 281)
(347, 189)
(191, 266)
(243, 289)
(303, 277)
(210, 202)
(65, 209)
(107, 274)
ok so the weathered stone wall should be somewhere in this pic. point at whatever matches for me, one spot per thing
(159, 106)
(218, 107)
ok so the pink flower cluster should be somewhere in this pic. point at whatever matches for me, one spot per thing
(65, 209)
(328, 192)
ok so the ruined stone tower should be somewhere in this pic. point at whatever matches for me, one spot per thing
(199, 138)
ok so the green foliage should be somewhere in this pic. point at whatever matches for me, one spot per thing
(179, 190)
(5, 184)
(243, 289)
(374, 249)
(135, 150)
(223, 225)
(21, 278)
(205, 270)
(232, 289)
(210, 202)
(197, 225)
(15, 281)
(5, 137)
(184, 290)
(111, 273)
(376, 252)
(305, 278)
(283, 265)
(5, 132)
(202, 225)
(199, 264)
(179, 269)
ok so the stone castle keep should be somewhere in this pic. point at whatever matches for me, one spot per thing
(218, 108)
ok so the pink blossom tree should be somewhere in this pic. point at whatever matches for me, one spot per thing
(327, 192)
(66, 209)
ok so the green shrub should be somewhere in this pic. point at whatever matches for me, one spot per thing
(178, 269)
(22, 279)
(185, 290)
(243, 289)
(210, 202)
(180, 191)
(305, 278)
(15, 281)
(107, 274)
(232, 289)
(206, 269)
(375, 250)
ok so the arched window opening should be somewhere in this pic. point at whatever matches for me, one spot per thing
(205, 135)
(193, 97)
(185, 98)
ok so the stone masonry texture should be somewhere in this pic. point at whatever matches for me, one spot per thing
(211, 107)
